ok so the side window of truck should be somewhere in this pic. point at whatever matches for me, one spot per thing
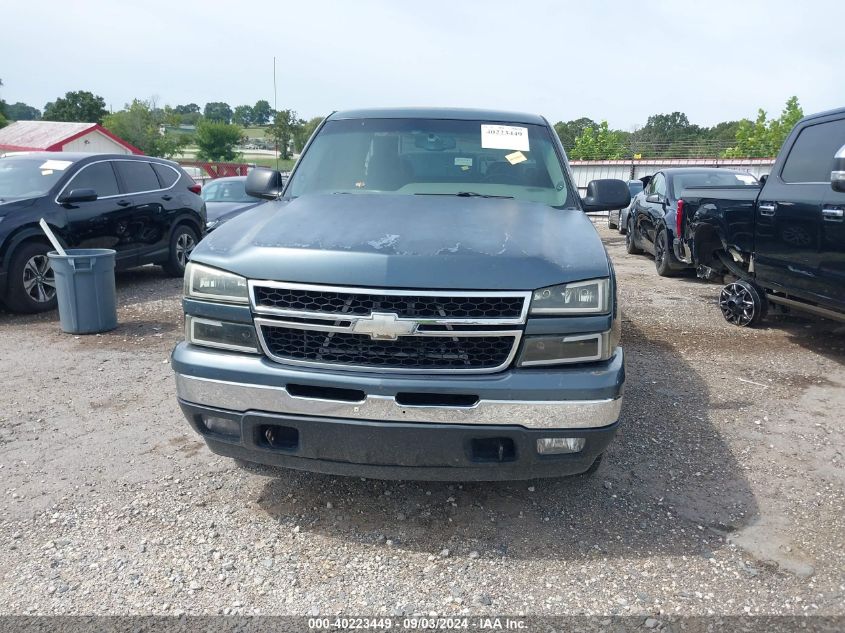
(811, 156)
(659, 185)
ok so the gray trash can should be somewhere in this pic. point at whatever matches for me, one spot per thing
(85, 290)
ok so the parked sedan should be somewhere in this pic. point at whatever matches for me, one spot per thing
(616, 218)
(652, 222)
(226, 198)
(147, 209)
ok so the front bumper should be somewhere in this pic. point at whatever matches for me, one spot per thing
(373, 432)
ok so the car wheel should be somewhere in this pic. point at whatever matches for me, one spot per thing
(182, 243)
(622, 230)
(743, 303)
(610, 224)
(630, 247)
(662, 255)
(32, 283)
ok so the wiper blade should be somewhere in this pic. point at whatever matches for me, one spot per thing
(466, 194)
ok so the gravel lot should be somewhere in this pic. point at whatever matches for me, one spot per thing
(723, 492)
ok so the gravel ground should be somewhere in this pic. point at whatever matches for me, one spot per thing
(723, 492)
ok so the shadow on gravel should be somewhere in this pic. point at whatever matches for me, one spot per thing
(134, 286)
(818, 335)
(667, 478)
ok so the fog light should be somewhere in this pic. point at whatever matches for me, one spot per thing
(558, 445)
(222, 426)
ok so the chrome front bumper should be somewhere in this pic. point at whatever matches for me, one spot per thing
(556, 414)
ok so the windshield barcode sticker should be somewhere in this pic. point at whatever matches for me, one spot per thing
(504, 137)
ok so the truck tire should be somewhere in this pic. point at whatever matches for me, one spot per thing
(743, 303)
(182, 242)
(630, 247)
(31, 282)
(663, 255)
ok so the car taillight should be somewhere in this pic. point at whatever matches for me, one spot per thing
(195, 188)
(679, 219)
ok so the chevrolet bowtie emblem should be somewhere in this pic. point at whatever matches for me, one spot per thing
(384, 326)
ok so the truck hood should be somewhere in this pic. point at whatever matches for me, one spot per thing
(407, 241)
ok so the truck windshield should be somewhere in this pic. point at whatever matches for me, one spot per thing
(29, 177)
(431, 157)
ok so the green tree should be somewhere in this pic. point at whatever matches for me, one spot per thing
(261, 112)
(284, 130)
(22, 112)
(3, 121)
(82, 106)
(763, 138)
(218, 111)
(668, 135)
(189, 114)
(305, 131)
(138, 124)
(216, 141)
(571, 130)
(600, 143)
(243, 116)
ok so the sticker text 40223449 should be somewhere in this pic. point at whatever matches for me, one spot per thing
(510, 137)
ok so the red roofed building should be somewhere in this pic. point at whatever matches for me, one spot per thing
(58, 136)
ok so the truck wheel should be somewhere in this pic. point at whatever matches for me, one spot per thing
(32, 283)
(630, 247)
(743, 303)
(663, 255)
(182, 242)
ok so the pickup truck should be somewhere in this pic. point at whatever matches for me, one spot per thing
(782, 241)
(423, 298)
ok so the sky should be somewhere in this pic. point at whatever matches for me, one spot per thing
(605, 59)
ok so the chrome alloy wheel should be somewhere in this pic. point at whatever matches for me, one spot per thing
(39, 280)
(185, 244)
(738, 304)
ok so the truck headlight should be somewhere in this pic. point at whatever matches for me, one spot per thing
(581, 297)
(563, 350)
(238, 337)
(211, 284)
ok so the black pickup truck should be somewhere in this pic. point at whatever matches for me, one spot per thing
(784, 241)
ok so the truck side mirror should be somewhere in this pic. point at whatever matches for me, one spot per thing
(837, 176)
(264, 183)
(606, 194)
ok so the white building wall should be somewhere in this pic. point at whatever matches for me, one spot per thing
(95, 142)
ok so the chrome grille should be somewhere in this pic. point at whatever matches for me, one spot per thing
(388, 330)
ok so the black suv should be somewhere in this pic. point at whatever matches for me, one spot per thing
(147, 209)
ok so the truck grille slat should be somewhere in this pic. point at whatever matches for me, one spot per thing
(418, 352)
(406, 306)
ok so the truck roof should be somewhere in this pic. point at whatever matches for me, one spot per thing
(819, 115)
(469, 114)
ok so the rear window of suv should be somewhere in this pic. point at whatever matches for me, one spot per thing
(167, 175)
(138, 176)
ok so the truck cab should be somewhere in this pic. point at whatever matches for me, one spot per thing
(423, 298)
(786, 238)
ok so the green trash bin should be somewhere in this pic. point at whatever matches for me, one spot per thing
(85, 290)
